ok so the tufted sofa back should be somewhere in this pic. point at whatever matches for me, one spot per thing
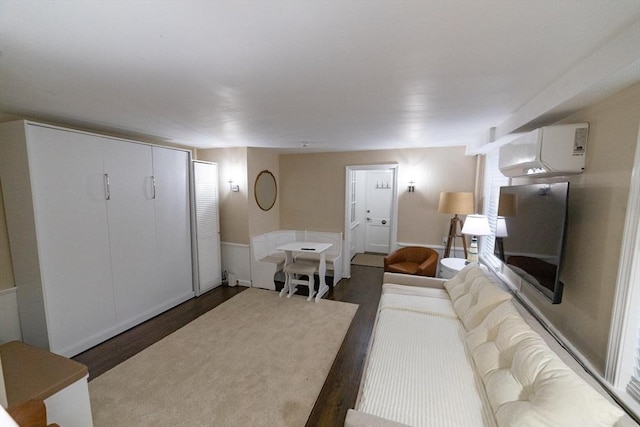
(473, 295)
(526, 382)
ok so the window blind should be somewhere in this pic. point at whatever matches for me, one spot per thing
(493, 180)
(633, 388)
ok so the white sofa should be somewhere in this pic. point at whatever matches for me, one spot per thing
(267, 260)
(460, 353)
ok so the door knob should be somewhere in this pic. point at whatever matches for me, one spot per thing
(384, 221)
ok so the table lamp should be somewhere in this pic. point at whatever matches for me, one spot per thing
(475, 225)
(501, 232)
(507, 206)
(455, 203)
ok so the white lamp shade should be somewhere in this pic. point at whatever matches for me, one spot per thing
(501, 227)
(476, 225)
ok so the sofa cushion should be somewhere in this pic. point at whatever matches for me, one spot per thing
(413, 290)
(419, 304)
(419, 372)
(526, 382)
(473, 295)
(493, 343)
(405, 267)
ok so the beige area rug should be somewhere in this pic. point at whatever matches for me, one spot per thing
(255, 360)
(368, 260)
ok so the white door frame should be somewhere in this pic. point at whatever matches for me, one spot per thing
(622, 333)
(393, 234)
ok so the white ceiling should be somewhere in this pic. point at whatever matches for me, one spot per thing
(338, 75)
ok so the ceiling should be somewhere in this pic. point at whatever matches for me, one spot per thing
(327, 75)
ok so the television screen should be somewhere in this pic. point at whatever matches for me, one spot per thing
(530, 233)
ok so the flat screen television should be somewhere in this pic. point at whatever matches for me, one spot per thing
(532, 221)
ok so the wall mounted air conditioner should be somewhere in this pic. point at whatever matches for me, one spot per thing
(547, 151)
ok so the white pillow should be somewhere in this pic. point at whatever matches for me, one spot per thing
(474, 296)
(542, 391)
(526, 382)
(494, 341)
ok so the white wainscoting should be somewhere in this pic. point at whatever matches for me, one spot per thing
(9, 318)
(236, 258)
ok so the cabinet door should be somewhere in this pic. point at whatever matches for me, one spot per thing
(205, 177)
(131, 227)
(173, 276)
(73, 241)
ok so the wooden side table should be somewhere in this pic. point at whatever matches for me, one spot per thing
(33, 373)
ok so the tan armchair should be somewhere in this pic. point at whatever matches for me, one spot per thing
(412, 260)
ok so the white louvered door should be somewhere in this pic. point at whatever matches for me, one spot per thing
(209, 273)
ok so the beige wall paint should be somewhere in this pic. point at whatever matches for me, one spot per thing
(260, 221)
(597, 209)
(234, 212)
(313, 188)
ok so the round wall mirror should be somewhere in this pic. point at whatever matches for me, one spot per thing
(266, 190)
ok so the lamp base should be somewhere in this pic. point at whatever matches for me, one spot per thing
(456, 222)
(472, 256)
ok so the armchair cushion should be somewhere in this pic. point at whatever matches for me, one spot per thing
(416, 260)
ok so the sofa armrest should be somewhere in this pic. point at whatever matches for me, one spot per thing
(429, 266)
(392, 258)
(361, 419)
(412, 280)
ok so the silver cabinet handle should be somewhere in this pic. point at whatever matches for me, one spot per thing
(153, 183)
(107, 187)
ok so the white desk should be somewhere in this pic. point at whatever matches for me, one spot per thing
(310, 247)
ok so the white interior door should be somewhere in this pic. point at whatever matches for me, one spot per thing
(353, 235)
(205, 177)
(379, 195)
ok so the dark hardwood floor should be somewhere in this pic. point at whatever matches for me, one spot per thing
(341, 386)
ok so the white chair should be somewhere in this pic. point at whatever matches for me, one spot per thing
(333, 255)
(293, 273)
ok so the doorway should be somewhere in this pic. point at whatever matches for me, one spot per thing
(371, 207)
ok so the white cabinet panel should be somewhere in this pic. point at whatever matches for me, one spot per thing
(73, 240)
(131, 221)
(96, 247)
(205, 177)
(173, 223)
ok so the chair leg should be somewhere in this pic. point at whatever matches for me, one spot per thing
(292, 285)
(311, 284)
(287, 284)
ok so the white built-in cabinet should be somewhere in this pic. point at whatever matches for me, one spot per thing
(207, 226)
(99, 230)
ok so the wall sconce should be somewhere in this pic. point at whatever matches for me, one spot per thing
(412, 186)
(234, 187)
